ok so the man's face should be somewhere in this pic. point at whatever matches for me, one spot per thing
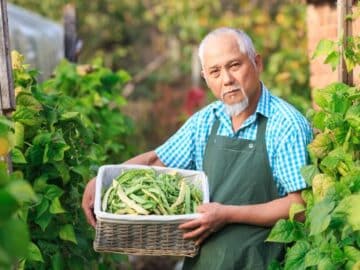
(229, 73)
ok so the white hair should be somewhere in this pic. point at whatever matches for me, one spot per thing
(244, 41)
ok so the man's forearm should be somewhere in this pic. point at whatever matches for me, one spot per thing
(149, 158)
(266, 214)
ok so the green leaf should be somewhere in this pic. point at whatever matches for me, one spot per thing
(308, 172)
(336, 159)
(350, 62)
(351, 207)
(124, 75)
(320, 216)
(329, 164)
(55, 207)
(295, 208)
(69, 115)
(352, 181)
(54, 151)
(308, 197)
(324, 47)
(320, 146)
(27, 100)
(5, 259)
(333, 59)
(353, 117)
(17, 156)
(34, 253)
(19, 135)
(340, 103)
(335, 120)
(42, 139)
(40, 183)
(322, 184)
(27, 116)
(5, 122)
(337, 256)
(324, 97)
(67, 233)
(4, 176)
(63, 170)
(326, 264)
(109, 80)
(283, 232)
(52, 192)
(295, 256)
(44, 220)
(8, 205)
(22, 191)
(318, 120)
(313, 257)
(57, 262)
(14, 237)
(42, 207)
(352, 253)
(83, 171)
(34, 155)
(274, 265)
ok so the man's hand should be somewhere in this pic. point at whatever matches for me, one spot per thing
(212, 220)
(88, 202)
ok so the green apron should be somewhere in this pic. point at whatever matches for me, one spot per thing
(239, 173)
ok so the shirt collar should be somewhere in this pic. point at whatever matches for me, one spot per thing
(263, 106)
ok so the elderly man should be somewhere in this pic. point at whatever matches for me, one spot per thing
(250, 144)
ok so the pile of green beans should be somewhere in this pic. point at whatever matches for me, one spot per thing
(147, 192)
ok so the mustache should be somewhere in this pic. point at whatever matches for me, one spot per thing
(230, 90)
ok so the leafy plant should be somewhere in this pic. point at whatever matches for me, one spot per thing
(96, 95)
(16, 196)
(58, 147)
(330, 236)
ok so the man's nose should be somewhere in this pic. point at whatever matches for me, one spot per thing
(227, 77)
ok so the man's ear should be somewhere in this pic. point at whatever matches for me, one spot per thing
(258, 63)
(202, 73)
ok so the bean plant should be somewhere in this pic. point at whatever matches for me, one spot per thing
(330, 236)
(59, 142)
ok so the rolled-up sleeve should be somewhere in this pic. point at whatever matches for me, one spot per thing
(291, 156)
(178, 150)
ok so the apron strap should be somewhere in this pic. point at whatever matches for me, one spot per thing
(261, 128)
(214, 128)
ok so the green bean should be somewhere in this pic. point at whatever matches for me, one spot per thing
(143, 191)
(187, 200)
(130, 202)
(181, 196)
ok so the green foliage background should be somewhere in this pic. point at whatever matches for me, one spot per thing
(16, 196)
(131, 33)
(62, 130)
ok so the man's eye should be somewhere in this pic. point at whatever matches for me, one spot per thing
(235, 65)
(214, 72)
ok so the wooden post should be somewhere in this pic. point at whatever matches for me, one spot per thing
(344, 8)
(7, 95)
(7, 100)
(71, 42)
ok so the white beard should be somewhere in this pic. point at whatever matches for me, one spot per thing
(237, 108)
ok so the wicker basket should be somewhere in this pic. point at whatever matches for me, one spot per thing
(143, 235)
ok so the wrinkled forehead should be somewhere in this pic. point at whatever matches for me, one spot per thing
(220, 49)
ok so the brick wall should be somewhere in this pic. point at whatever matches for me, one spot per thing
(322, 24)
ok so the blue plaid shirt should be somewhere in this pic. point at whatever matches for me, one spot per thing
(287, 135)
